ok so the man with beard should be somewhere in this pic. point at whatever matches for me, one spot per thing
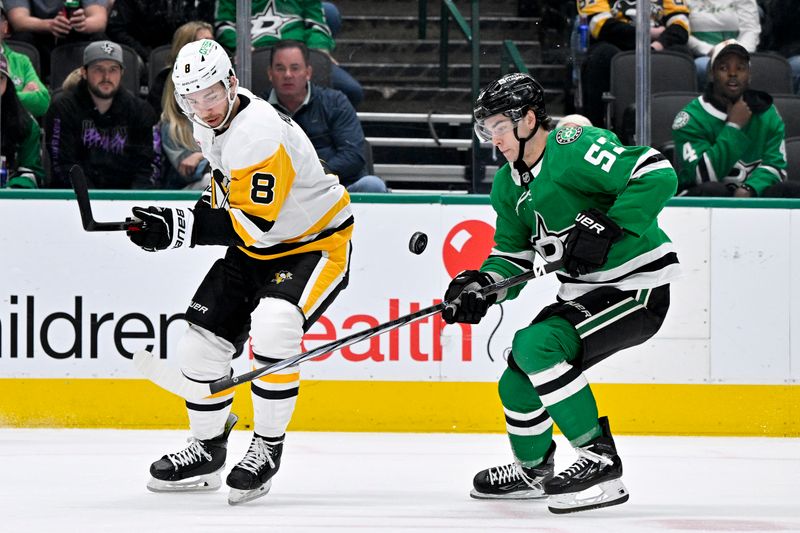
(730, 140)
(103, 127)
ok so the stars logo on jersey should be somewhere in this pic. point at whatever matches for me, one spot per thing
(568, 134)
(269, 22)
(548, 244)
(681, 119)
(280, 277)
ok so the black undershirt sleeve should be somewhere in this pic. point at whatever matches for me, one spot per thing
(214, 227)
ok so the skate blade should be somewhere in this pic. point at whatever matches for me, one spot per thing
(602, 495)
(237, 496)
(519, 495)
(206, 482)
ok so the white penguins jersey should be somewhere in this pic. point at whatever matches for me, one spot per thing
(269, 179)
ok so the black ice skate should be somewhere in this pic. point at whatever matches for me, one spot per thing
(514, 482)
(194, 468)
(252, 477)
(593, 481)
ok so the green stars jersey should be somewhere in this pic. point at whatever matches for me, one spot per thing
(711, 149)
(583, 168)
(276, 20)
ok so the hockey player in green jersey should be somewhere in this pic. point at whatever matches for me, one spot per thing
(575, 195)
(730, 140)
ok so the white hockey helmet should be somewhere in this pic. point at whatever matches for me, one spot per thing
(200, 65)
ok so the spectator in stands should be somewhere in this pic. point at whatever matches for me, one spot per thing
(730, 140)
(32, 93)
(611, 27)
(277, 20)
(184, 165)
(47, 23)
(324, 114)
(713, 21)
(147, 24)
(781, 33)
(103, 127)
(21, 149)
(162, 84)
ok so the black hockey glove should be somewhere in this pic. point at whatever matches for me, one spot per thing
(589, 241)
(163, 228)
(466, 305)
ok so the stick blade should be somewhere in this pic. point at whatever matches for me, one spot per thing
(169, 378)
(81, 187)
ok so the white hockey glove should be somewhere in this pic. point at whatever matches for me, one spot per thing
(163, 228)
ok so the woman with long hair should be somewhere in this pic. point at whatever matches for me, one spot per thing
(187, 168)
(21, 138)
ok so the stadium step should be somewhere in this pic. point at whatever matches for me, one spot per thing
(505, 8)
(407, 27)
(390, 50)
(459, 74)
(424, 99)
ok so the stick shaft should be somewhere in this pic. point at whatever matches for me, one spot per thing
(227, 383)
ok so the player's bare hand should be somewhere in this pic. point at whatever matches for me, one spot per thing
(743, 192)
(59, 25)
(30, 87)
(739, 113)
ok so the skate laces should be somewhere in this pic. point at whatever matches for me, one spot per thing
(506, 473)
(584, 458)
(193, 453)
(260, 452)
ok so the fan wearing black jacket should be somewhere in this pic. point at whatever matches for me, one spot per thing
(103, 127)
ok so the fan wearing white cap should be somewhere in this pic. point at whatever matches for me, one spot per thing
(730, 140)
(287, 227)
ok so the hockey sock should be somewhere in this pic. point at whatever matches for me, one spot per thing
(529, 427)
(544, 351)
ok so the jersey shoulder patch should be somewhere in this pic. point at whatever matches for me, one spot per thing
(681, 120)
(568, 134)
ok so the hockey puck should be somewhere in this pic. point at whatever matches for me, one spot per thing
(418, 243)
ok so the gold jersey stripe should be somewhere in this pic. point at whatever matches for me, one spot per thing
(328, 243)
(323, 222)
(335, 265)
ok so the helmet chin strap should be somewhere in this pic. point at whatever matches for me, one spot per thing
(520, 165)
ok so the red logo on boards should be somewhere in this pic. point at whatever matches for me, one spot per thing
(466, 246)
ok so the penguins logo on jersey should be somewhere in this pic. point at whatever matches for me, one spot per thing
(280, 277)
(568, 134)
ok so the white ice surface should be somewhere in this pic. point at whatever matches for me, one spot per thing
(94, 480)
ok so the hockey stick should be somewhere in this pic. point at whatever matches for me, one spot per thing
(174, 381)
(81, 187)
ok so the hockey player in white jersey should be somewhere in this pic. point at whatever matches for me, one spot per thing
(287, 227)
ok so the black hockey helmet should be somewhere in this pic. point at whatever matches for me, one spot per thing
(512, 96)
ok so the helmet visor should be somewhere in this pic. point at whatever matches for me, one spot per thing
(197, 102)
(494, 126)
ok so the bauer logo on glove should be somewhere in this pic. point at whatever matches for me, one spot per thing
(589, 241)
(162, 228)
